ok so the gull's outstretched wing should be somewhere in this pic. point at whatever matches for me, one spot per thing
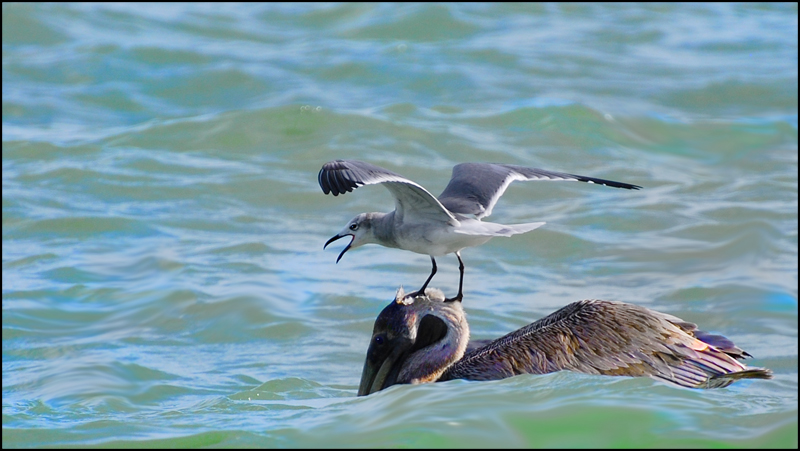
(412, 201)
(475, 187)
(611, 338)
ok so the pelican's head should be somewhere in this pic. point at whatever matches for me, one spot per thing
(359, 229)
(414, 341)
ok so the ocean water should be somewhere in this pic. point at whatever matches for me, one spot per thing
(164, 282)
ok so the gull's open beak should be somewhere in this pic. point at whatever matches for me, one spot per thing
(336, 237)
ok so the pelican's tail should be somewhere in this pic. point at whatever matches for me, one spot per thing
(724, 380)
(493, 229)
(698, 364)
(695, 374)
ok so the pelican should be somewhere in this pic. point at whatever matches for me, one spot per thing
(422, 338)
(426, 225)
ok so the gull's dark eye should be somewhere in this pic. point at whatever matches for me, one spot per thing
(379, 340)
(353, 226)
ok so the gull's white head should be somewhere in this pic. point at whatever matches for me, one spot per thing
(359, 229)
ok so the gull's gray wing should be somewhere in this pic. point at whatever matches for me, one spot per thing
(412, 201)
(475, 187)
(611, 338)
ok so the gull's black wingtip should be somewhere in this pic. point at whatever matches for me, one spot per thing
(605, 182)
(614, 184)
(336, 177)
(322, 183)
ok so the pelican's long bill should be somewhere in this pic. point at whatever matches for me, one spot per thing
(336, 237)
(378, 375)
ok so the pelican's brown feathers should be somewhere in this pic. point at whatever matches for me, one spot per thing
(424, 339)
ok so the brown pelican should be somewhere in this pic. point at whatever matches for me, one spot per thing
(426, 339)
(426, 225)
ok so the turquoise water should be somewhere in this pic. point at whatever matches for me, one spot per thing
(164, 283)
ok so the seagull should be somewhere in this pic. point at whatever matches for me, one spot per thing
(433, 226)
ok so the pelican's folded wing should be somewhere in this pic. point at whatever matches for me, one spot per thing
(611, 338)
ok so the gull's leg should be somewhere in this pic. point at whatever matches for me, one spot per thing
(421, 291)
(460, 279)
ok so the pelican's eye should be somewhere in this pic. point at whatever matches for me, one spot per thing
(354, 227)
